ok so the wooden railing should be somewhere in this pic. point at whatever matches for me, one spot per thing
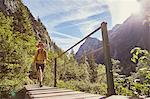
(107, 58)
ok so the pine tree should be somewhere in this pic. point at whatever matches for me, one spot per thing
(92, 68)
(84, 58)
(15, 57)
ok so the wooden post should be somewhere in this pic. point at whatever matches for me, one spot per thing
(107, 60)
(55, 71)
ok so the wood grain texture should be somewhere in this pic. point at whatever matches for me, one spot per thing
(35, 92)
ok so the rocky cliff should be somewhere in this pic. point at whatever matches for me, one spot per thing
(21, 15)
(91, 45)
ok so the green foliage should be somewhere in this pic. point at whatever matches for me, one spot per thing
(72, 75)
(101, 74)
(138, 82)
(16, 56)
(83, 73)
(140, 56)
(69, 69)
(76, 85)
(92, 69)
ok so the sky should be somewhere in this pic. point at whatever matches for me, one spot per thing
(68, 21)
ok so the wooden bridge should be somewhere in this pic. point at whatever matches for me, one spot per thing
(35, 92)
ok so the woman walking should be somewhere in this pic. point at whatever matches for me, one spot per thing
(40, 61)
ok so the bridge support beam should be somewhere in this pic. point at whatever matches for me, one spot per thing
(107, 60)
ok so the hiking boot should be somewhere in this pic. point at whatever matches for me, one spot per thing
(41, 84)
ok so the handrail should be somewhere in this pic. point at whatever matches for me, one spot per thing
(107, 58)
(79, 41)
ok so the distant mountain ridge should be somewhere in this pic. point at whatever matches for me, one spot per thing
(90, 44)
(134, 32)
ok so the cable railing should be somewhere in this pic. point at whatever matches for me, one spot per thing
(108, 64)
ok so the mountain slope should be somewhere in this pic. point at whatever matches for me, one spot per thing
(90, 45)
(24, 20)
(134, 32)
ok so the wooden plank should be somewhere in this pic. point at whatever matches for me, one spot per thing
(100, 97)
(36, 92)
(79, 96)
(72, 96)
(54, 94)
(125, 97)
(47, 91)
(118, 97)
(36, 87)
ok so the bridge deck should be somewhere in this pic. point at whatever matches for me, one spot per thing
(35, 92)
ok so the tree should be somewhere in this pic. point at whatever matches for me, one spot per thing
(142, 58)
(15, 57)
(92, 68)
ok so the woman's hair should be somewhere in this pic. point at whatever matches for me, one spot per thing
(40, 43)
